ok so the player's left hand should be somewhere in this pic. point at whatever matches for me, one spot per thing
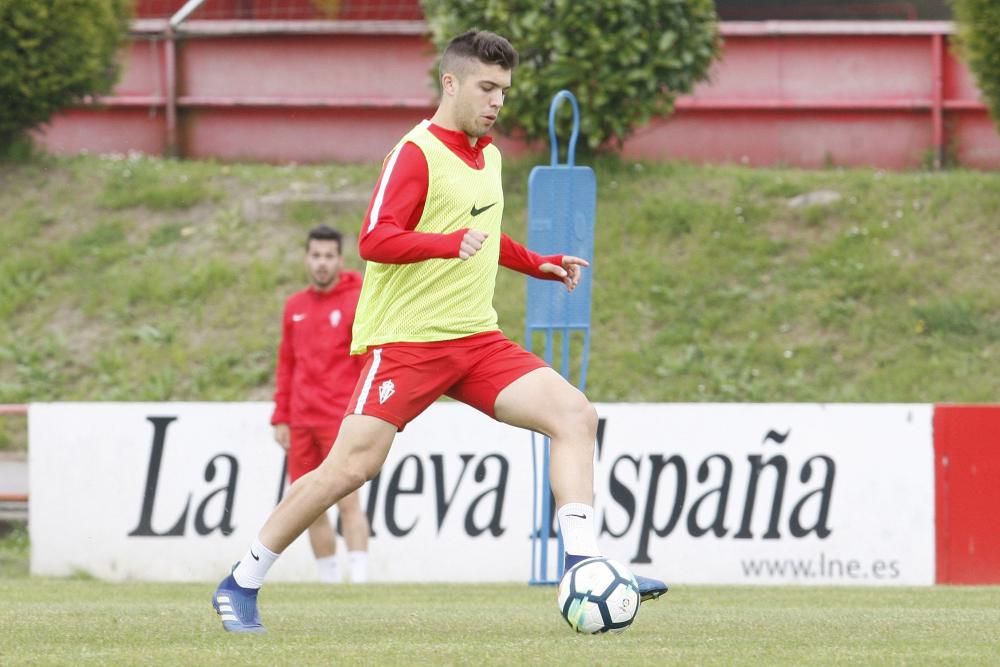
(569, 272)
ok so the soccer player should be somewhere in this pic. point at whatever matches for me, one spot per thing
(315, 377)
(427, 326)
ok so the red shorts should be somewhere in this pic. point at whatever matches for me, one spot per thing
(308, 447)
(400, 380)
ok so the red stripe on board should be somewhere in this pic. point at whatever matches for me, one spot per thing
(967, 493)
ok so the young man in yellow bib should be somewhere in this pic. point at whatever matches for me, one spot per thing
(426, 322)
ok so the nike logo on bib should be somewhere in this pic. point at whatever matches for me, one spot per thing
(476, 211)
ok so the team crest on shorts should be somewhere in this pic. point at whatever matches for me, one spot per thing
(385, 390)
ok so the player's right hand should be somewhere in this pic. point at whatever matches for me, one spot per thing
(471, 243)
(282, 435)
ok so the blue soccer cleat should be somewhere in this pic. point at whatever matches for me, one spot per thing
(237, 607)
(649, 588)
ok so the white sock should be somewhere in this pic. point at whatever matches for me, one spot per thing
(359, 566)
(576, 523)
(329, 570)
(253, 568)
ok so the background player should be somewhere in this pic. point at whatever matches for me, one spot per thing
(315, 377)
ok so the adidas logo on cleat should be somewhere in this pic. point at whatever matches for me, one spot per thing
(224, 609)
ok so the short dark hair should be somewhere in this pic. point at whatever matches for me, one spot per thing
(325, 233)
(487, 47)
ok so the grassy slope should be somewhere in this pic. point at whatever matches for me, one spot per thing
(89, 622)
(141, 279)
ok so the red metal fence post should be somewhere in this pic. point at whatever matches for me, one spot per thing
(937, 98)
(170, 45)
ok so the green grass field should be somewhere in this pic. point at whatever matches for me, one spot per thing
(146, 279)
(47, 621)
(81, 621)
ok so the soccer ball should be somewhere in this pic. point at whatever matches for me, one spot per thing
(598, 595)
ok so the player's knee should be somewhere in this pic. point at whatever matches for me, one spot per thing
(589, 417)
(354, 477)
(577, 419)
(361, 468)
(583, 415)
(340, 477)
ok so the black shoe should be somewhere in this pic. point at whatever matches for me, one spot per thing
(649, 588)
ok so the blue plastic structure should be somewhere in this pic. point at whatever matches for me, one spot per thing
(562, 200)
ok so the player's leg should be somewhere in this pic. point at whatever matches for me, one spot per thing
(323, 540)
(354, 523)
(395, 386)
(308, 446)
(544, 402)
(512, 385)
(357, 456)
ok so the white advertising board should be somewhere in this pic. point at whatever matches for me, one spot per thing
(702, 493)
(757, 493)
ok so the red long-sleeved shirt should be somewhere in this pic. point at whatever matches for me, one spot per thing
(398, 202)
(316, 375)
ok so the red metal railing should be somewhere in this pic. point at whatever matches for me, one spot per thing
(396, 9)
(806, 93)
(936, 32)
(272, 10)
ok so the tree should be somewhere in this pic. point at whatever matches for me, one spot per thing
(979, 43)
(54, 53)
(624, 60)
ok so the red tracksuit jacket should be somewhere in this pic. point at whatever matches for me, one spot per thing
(315, 374)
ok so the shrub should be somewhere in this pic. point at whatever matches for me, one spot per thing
(53, 53)
(979, 43)
(624, 60)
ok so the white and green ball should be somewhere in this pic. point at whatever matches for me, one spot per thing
(598, 595)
